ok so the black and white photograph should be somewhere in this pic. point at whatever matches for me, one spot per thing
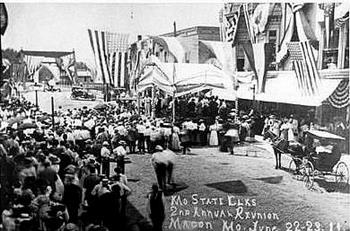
(174, 116)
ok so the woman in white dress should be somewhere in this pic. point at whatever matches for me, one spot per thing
(175, 140)
(213, 139)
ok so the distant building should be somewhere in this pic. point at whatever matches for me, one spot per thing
(84, 76)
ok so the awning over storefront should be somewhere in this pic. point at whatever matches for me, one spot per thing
(282, 87)
(184, 78)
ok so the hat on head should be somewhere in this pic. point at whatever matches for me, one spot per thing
(54, 159)
(105, 143)
(70, 169)
(122, 142)
(159, 148)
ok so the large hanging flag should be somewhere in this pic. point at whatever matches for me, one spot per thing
(340, 96)
(231, 25)
(257, 50)
(111, 56)
(305, 67)
(3, 18)
(99, 48)
(298, 24)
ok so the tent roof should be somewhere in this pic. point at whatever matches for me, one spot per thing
(283, 88)
(186, 77)
(50, 54)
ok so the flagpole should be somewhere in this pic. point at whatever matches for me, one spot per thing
(75, 67)
(174, 111)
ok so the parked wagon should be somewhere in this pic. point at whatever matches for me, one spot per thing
(320, 158)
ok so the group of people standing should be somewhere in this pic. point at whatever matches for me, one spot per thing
(57, 175)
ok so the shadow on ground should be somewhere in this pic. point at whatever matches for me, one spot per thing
(271, 180)
(340, 187)
(235, 186)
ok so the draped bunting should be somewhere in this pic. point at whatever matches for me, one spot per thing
(340, 97)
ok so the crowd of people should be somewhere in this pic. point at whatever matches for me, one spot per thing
(57, 174)
(57, 170)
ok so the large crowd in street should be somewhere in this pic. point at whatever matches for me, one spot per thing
(69, 172)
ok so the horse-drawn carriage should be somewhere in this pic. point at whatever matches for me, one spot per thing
(319, 157)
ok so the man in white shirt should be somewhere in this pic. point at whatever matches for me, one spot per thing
(105, 155)
(120, 153)
(163, 163)
(141, 129)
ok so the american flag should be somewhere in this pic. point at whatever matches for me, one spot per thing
(304, 66)
(111, 56)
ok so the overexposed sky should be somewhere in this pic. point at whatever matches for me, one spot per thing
(63, 26)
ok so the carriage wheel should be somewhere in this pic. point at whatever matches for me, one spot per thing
(342, 174)
(307, 171)
(293, 169)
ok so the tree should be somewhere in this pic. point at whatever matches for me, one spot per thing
(12, 55)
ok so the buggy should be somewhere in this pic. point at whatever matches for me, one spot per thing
(320, 158)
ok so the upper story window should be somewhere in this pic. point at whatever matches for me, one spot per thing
(272, 40)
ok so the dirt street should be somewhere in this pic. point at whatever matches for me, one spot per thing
(217, 191)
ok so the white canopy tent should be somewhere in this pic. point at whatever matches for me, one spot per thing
(184, 78)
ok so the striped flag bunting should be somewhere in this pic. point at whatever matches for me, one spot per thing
(340, 97)
(111, 56)
(304, 66)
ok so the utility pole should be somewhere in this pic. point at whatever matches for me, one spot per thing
(53, 113)
(75, 68)
(174, 89)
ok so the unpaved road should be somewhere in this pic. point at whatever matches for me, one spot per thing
(261, 198)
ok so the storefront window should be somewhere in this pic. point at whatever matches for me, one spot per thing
(272, 38)
(330, 53)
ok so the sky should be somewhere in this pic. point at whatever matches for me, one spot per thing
(63, 26)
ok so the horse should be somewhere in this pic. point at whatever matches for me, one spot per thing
(279, 145)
